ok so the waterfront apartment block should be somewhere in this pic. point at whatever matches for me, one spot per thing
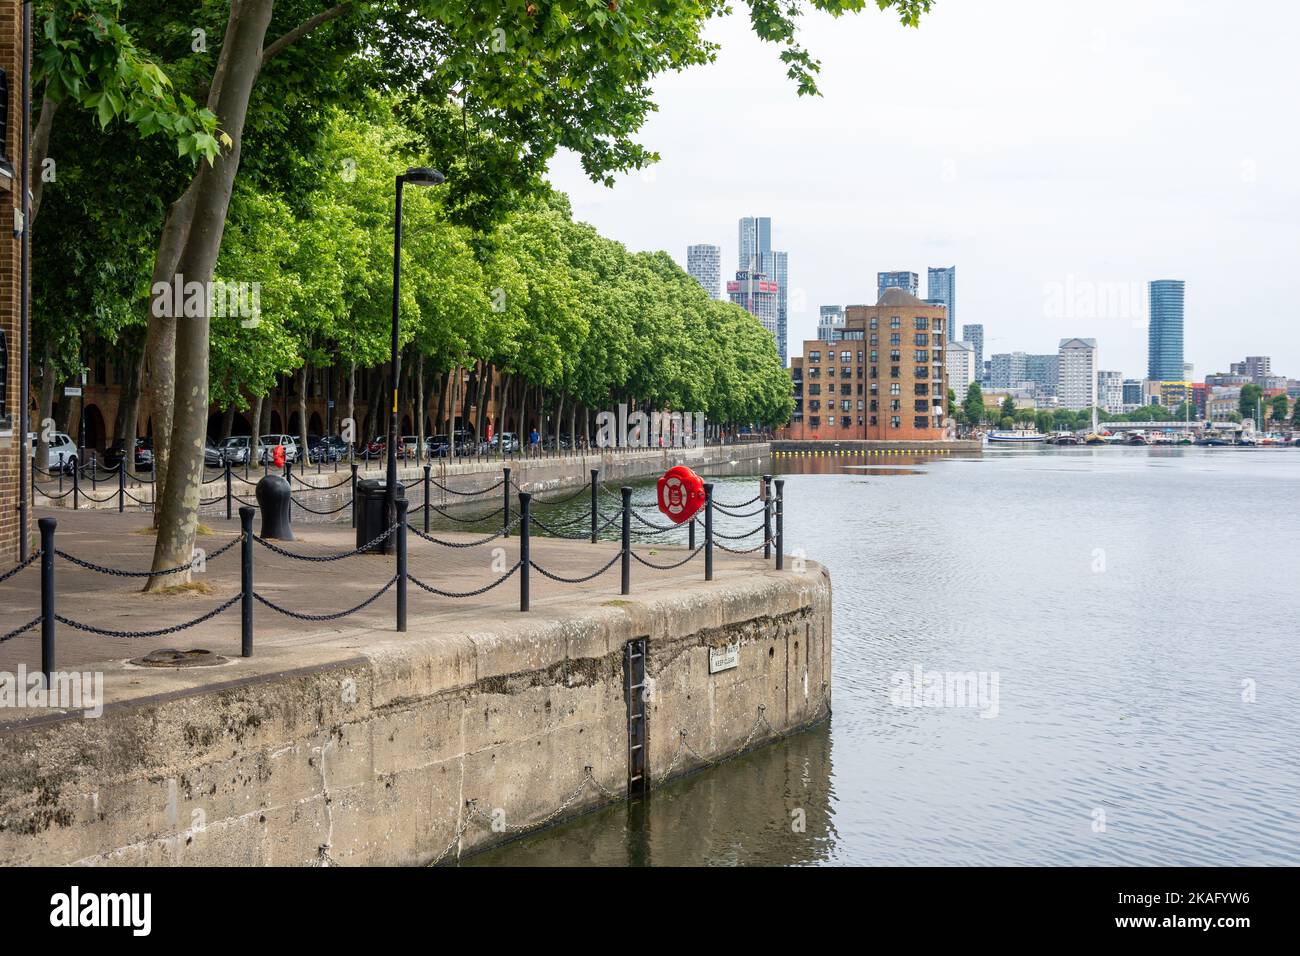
(1008, 369)
(974, 334)
(909, 282)
(830, 319)
(704, 264)
(1077, 385)
(1165, 332)
(960, 367)
(756, 255)
(1255, 368)
(1110, 391)
(941, 287)
(11, 345)
(758, 295)
(882, 377)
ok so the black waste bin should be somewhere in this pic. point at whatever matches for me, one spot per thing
(371, 521)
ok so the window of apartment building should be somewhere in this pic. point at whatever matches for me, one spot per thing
(895, 422)
(846, 389)
(859, 358)
(921, 322)
(921, 355)
(936, 339)
(922, 372)
(846, 406)
(875, 322)
(873, 421)
(875, 373)
(921, 389)
(859, 388)
(896, 405)
(874, 355)
(859, 405)
(846, 421)
(893, 371)
(895, 338)
(830, 372)
(874, 386)
(815, 404)
(921, 405)
(920, 421)
(814, 420)
(814, 356)
(895, 388)
(875, 340)
(814, 373)
(895, 322)
(895, 355)
(830, 421)
(814, 389)
(846, 357)
(874, 407)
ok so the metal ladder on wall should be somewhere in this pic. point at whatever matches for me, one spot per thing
(634, 684)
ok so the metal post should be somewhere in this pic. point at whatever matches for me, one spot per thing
(354, 494)
(767, 517)
(426, 497)
(690, 543)
(395, 362)
(94, 472)
(288, 477)
(780, 524)
(121, 487)
(401, 564)
(525, 500)
(708, 531)
(76, 486)
(246, 581)
(226, 462)
(505, 521)
(595, 503)
(47, 526)
(627, 539)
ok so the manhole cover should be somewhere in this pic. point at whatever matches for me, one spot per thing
(171, 657)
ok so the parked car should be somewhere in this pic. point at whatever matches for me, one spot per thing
(266, 448)
(212, 456)
(143, 454)
(63, 452)
(439, 446)
(407, 446)
(507, 442)
(377, 447)
(331, 448)
(235, 449)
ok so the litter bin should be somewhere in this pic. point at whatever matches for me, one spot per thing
(371, 521)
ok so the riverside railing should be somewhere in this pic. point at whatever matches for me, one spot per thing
(524, 523)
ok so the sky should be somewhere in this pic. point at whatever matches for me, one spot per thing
(1059, 154)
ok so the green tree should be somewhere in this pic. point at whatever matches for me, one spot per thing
(1279, 409)
(1248, 404)
(1008, 407)
(973, 404)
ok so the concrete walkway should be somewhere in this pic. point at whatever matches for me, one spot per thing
(314, 588)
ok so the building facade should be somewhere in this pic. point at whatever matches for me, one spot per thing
(909, 282)
(830, 319)
(1165, 332)
(755, 254)
(12, 441)
(1007, 369)
(756, 294)
(941, 287)
(1043, 372)
(882, 378)
(974, 334)
(704, 263)
(1077, 385)
(1110, 391)
(960, 367)
(1255, 367)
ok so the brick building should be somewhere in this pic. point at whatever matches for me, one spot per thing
(880, 379)
(11, 153)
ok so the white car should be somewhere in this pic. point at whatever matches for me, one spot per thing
(63, 451)
(266, 447)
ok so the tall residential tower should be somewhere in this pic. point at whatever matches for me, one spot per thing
(704, 263)
(941, 287)
(1165, 333)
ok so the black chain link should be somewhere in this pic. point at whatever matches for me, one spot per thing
(561, 501)
(298, 615)
(120, 573)
(667, 567)
(467, 494)
(330, 511)
(736, 537)
(31, 559)
(474, 520)
(743, 550)
(464, 594)
(104, 632)
(658, 528)
(337, 484)
(464, 544)
(21, 630)
(733, 514)
(582, 580)
(324, 557)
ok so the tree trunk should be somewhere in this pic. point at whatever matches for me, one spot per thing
(302, 414)
(131, 420)
(227, 421)
(46, 411)
(419, 408)
(352, 397)
(211, 186)
(559, 417)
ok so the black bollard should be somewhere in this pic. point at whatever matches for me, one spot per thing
(767, 517)
(273, 501)
(505, 521)
(426, 497)
(76, 487)
(690, 543)
(627, 540)
(708, 531)
(524, 560)
(595, 502)
(47, 526)
(226, 464)
(288, 479)
(780, 524)
(354, 494)
(401, 564)
(121, 487)
(246, 581)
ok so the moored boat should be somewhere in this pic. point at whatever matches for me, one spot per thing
(1015, 436)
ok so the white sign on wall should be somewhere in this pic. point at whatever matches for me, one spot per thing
(723, 658)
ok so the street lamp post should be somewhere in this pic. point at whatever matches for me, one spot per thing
(416, 176)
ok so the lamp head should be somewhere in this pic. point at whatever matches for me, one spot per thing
(423, 176)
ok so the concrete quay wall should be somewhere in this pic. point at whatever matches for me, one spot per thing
(411, 750)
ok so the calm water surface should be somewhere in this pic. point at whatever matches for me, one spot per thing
(1127, 600)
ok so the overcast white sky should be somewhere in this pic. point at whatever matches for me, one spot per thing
(1054, 151)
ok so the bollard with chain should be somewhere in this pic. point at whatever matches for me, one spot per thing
(780, 524)
(288, 477)
(690, 534)
(525, 500)
(426, 497)
(94, 473)
(47, 526)
(76, 486)
(767, 517)
(595, 504)
(354, 494)
(708, 531)
(226, 463)
(121, 487)
(246, 581)
(505, 521)
(401, 564)
(627, 539)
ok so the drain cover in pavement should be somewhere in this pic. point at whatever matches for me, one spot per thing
(170, 657)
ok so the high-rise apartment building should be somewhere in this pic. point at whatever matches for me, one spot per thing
(757, 256)
(961, 368)
(704, 263)
(757, 295)
(1255, 367)
(1132, 394)
(909, 282)
(1165, 332)
(1008, 369)
(1110, 391)
(881, 379)
(830, 319)
(1077, 385)
(941, 286)
(974, 334)
(1044, 372)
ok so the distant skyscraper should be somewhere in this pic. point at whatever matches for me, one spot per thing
(941, 286)
(1077, 384)
(1008, 369)
(909, 282)
(756, 294)
(704, 263)
(1165, 333)
(757, 256)
(974, 334)
(832, 318)
(961, 368)
(1110, 391)
(1132, 394)
(1044, 372)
